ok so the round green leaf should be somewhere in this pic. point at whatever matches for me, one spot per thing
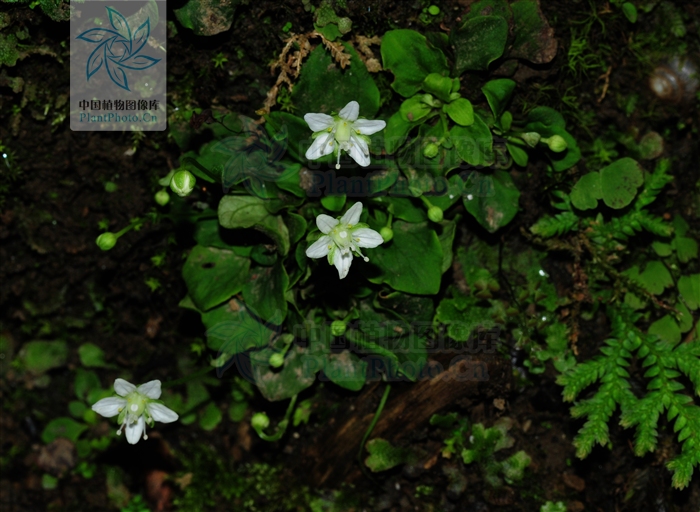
(412, 261)
(493, 206)
(42, 356)
(519, 155)
(297, 374)
(619, 182)
(264, 292)
(414, 109)
(62, 427)
(334, 203)
(685, 318)
(651, 146)
(409, 56)
(461, 111)
(662, 249)
(91, 356)
(474, 143)
(655, 277)
(439, 85)
(686, 248)
(630, 12)
(211, 417)
(214, 275)
(498, 93)
(478, 42)
(666, 329)
(231, 329)
(587, 191)
(346, 370)
(247, 211)
(324, 87)
(689, 288)
(534, 38)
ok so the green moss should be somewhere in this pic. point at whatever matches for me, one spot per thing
(8, 50)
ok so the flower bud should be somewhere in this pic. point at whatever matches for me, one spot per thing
(431, 150)
(435, 213)
(106, 241)
(276, 360)
(387, 233)
(557, 143)
(183, 182)
(338, 328)
(260, 421)
(531, 138)
(162, 197)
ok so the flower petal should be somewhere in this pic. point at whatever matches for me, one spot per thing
(367, 237)
(318, 122)
(109, 407)
(322, 146)
(358, 150)
(352, 216)
(150, 389)
(161, 413)
(123, 387)
(342, 262)
(134, 430)
(319, 248)
(368, 127)
(350, 111)
(326, 223)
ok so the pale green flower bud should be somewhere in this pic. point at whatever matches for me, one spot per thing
(260, 421)
(162, 197)
(338, 328)
(531, 138)
(431, 150)
(276, 360)
(183, 182)
(106, 241)
(387, 233)
(556, 143)
(435, 213)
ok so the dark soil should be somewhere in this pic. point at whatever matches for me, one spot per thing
(55, 283)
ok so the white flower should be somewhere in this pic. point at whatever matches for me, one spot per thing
(342, 132)
(137, 407)
(341, 237)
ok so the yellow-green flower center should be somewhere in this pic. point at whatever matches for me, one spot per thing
(135, 404)
(342, 131)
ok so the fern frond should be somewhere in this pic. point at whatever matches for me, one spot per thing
(560, 224)
(653, 184)
(665, 365)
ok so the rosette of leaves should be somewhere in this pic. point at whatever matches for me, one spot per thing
(451, 131)
(249, 278)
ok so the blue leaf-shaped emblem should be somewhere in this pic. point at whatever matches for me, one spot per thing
(119, 23)
(117, 49)
(117, 74)
(139, 62)
(141, 36)
(95, 60)
(97, 35)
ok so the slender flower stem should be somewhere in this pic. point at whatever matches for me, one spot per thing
(375, 419)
